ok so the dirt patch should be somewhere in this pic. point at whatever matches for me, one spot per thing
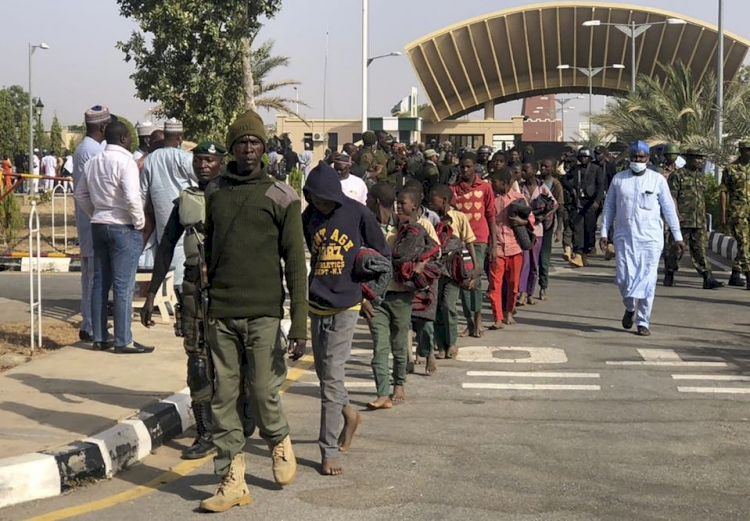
(14, 340)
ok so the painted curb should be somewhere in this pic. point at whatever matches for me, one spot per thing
(723, 245)
(49, 473)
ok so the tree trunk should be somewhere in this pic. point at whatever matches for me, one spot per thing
(248, 82)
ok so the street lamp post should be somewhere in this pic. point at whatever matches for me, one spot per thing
(633, 31)
(590, 72)
(562, 102)
(32, 48)
(365, 63)
(720, 84)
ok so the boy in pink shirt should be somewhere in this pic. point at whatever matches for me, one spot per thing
(506, 267)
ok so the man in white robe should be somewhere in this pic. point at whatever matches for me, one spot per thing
(635, 203)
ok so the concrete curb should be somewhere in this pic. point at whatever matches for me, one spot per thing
(49, 473)
(723, 245)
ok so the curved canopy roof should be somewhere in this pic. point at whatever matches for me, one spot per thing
(514, 53)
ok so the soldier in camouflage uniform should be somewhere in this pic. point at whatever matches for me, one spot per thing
(735, 201)
(384, 155)
(188, 217)
(366, 155)
(688, 188)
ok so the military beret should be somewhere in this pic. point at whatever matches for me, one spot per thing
(210, 147)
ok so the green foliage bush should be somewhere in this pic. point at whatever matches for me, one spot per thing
(11, 219)
(295, 179)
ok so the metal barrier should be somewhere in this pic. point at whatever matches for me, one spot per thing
(60, 189)
(35, 272)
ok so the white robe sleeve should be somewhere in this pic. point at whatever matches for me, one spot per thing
(668, 209)
(610, 203)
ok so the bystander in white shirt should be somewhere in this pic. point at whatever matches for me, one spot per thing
(110, 191)
(354, 188)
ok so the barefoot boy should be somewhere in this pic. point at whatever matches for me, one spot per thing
(506, 267)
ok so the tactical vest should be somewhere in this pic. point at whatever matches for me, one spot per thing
(192, 211)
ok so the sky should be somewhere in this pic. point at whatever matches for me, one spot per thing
(83, 68)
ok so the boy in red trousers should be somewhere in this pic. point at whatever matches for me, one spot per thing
(506, 268)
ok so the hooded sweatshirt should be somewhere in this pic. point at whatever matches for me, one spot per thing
(334, 241)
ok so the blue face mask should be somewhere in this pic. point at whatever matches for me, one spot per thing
(637, 167)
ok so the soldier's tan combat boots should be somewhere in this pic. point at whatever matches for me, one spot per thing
(577, 260)
(284, 462)
(232, 491)
(567, 253)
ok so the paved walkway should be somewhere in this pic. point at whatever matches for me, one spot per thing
(75, 392)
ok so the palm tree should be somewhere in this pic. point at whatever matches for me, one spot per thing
(263, 63)
(675, 108)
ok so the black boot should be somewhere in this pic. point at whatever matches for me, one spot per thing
(203, 445)
(709, 282)
(669, 279)
(736, 279)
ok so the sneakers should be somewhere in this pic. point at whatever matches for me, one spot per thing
(232, 491)
(284, 462)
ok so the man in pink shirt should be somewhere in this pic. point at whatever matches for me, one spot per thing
(474, 198)
(506, 266)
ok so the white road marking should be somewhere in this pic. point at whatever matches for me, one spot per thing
(348, 384)
(715, 390)
(664, 358)
(519, 374)
(713, 377)
(532, 387)
(535, 355)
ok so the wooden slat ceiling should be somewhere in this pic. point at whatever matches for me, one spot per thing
(514, 54)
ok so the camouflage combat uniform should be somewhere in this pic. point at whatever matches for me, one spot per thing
(688, 190)
(736, 184)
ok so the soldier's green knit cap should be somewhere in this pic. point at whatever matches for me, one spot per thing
(249, 123)
(210, 147)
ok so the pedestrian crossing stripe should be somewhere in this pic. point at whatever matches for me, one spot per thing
(532, 374)
(532, 387)
(514, 386)
(663, 358)
(712, 378)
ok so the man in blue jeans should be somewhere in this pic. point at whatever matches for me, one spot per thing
(109, 192)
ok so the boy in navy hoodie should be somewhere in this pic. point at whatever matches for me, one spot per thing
(335, 229)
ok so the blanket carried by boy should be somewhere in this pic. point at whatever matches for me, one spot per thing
(413, 245)
(374, 272)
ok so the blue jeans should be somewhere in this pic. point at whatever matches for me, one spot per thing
(117, 248)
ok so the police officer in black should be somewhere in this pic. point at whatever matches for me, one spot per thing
(585, 184)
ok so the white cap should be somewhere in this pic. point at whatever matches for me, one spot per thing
(144, 129)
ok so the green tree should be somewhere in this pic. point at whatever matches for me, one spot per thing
(55, 136)
(673, 107)
(132, 130)
(7, 127)
(195, 61)
(41, 139)
(15, 124)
